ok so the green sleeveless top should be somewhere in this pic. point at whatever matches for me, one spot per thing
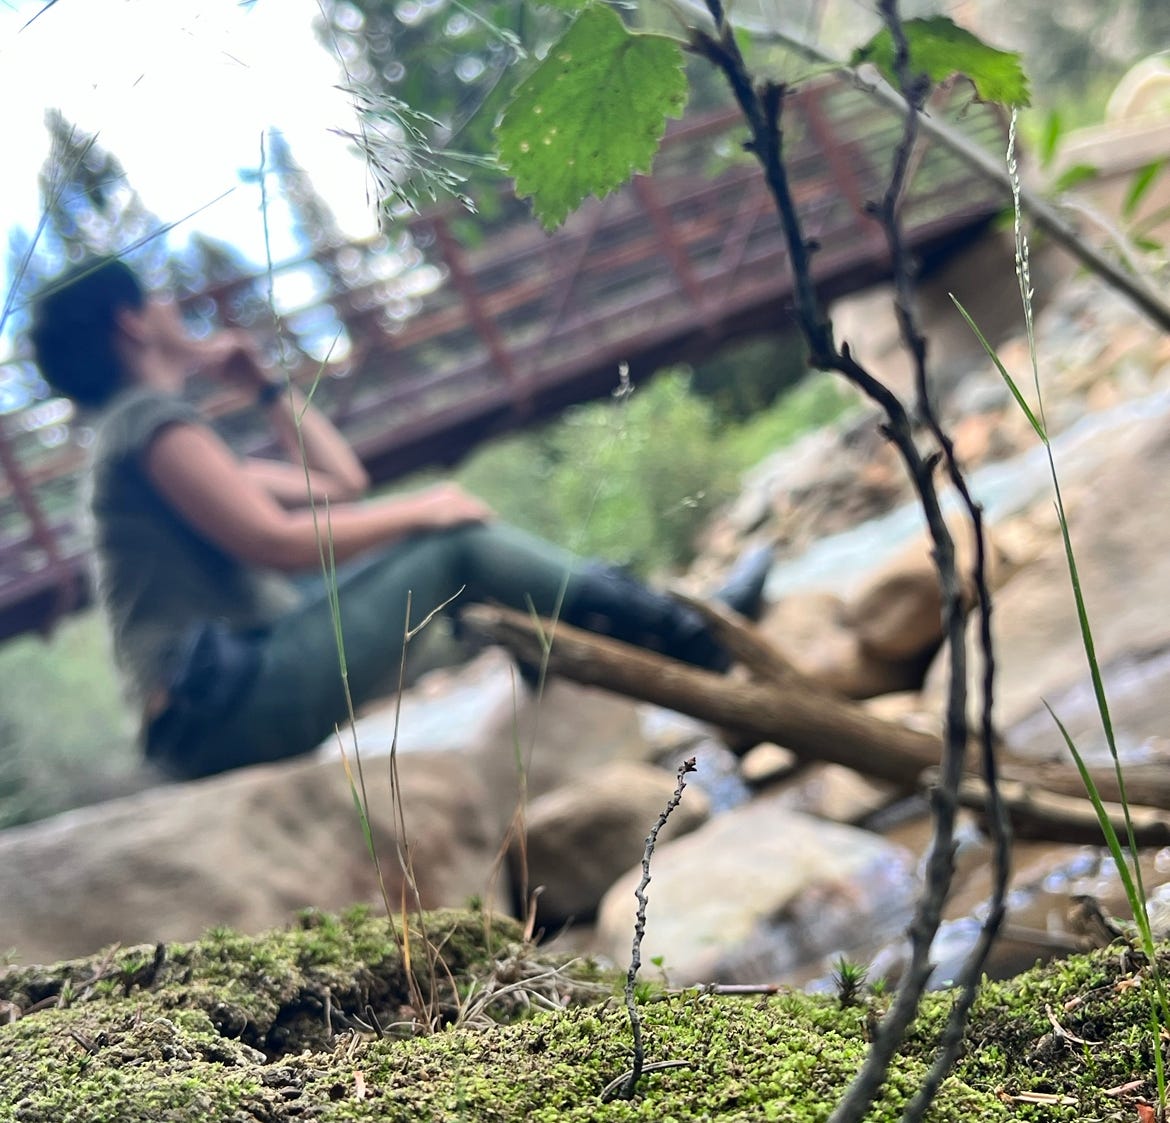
(155, 575)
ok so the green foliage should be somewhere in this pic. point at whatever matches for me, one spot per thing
(1049, 138)
(591, 114)
(429, 81)
(1140, 185)
(1074, 175)
(65, 738)
(632, 481)
(818, 400)
(849, 979)
(744, 379)
(635, 481)
(940, 49)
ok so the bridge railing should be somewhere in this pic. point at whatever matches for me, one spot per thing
(423, 344)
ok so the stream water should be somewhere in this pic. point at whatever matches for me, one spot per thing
(842, 561)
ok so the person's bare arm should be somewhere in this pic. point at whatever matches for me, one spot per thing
(338, 471)
(209, 487)
(335, 472)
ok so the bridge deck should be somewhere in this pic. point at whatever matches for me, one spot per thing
(441, 340)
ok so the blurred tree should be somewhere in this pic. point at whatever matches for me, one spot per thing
(745, 378)
(87, 207)
(313, 221)
(90, 207)
(428, 78)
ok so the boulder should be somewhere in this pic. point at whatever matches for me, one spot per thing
(484, 708)
(897, 616)
(810, 630)
(582, 837)
(766, 763)
(251, 847)
(1115, 482)
(246, 849)
(758, 891)
(830, 791)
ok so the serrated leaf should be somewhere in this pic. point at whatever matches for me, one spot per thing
(940, 48)
(591, 114)
(1141, 183)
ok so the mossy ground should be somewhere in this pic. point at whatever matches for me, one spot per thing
(277, 1029)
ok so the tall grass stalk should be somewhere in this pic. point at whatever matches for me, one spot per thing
(1125, 856)
(425, 1005)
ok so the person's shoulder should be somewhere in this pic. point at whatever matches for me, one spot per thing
(128, 423)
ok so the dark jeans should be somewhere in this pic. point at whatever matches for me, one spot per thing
(297, 696)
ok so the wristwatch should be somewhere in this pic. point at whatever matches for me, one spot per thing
(269, 393)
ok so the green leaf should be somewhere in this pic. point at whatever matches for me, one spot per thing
(1053, 131)
(940, 48)
(591, 114)
(1021, 401)
(1070, 177)
(1141, 183)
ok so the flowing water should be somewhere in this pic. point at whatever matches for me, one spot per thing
(842, 561)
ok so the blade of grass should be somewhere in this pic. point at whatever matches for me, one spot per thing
(1033, 420)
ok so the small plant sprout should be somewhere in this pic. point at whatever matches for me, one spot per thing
(849, 979)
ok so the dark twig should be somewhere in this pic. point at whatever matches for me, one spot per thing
(630, 1084)
(1046, 216)
(611, 1090)
(915, 89)
(762, 108)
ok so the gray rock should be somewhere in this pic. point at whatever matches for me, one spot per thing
(1116, 481)
(756, 892)
(582, 837)
(249, 848)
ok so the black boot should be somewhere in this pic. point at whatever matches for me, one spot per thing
(607, 600)
(743, 587)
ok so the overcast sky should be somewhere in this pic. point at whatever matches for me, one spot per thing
(181, 91)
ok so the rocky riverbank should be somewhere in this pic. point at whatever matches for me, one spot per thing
(851, 603)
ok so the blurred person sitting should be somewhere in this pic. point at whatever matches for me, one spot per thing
(205, 561)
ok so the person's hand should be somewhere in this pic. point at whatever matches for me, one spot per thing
(232, 357)
(447, 505)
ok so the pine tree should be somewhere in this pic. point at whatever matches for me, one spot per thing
(90, 206)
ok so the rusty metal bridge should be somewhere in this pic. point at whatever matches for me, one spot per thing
(446, 335)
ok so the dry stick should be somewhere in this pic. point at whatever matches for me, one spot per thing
(762, 110)
(812, 723)
(915, 89)
(628, 1083)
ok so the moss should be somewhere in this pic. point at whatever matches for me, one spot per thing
(272, 991)
(231, 1028)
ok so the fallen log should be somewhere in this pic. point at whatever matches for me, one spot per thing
(810, 721)
(1061, 818)
(781, 705)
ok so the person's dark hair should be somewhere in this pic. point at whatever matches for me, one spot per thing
(73, 328)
